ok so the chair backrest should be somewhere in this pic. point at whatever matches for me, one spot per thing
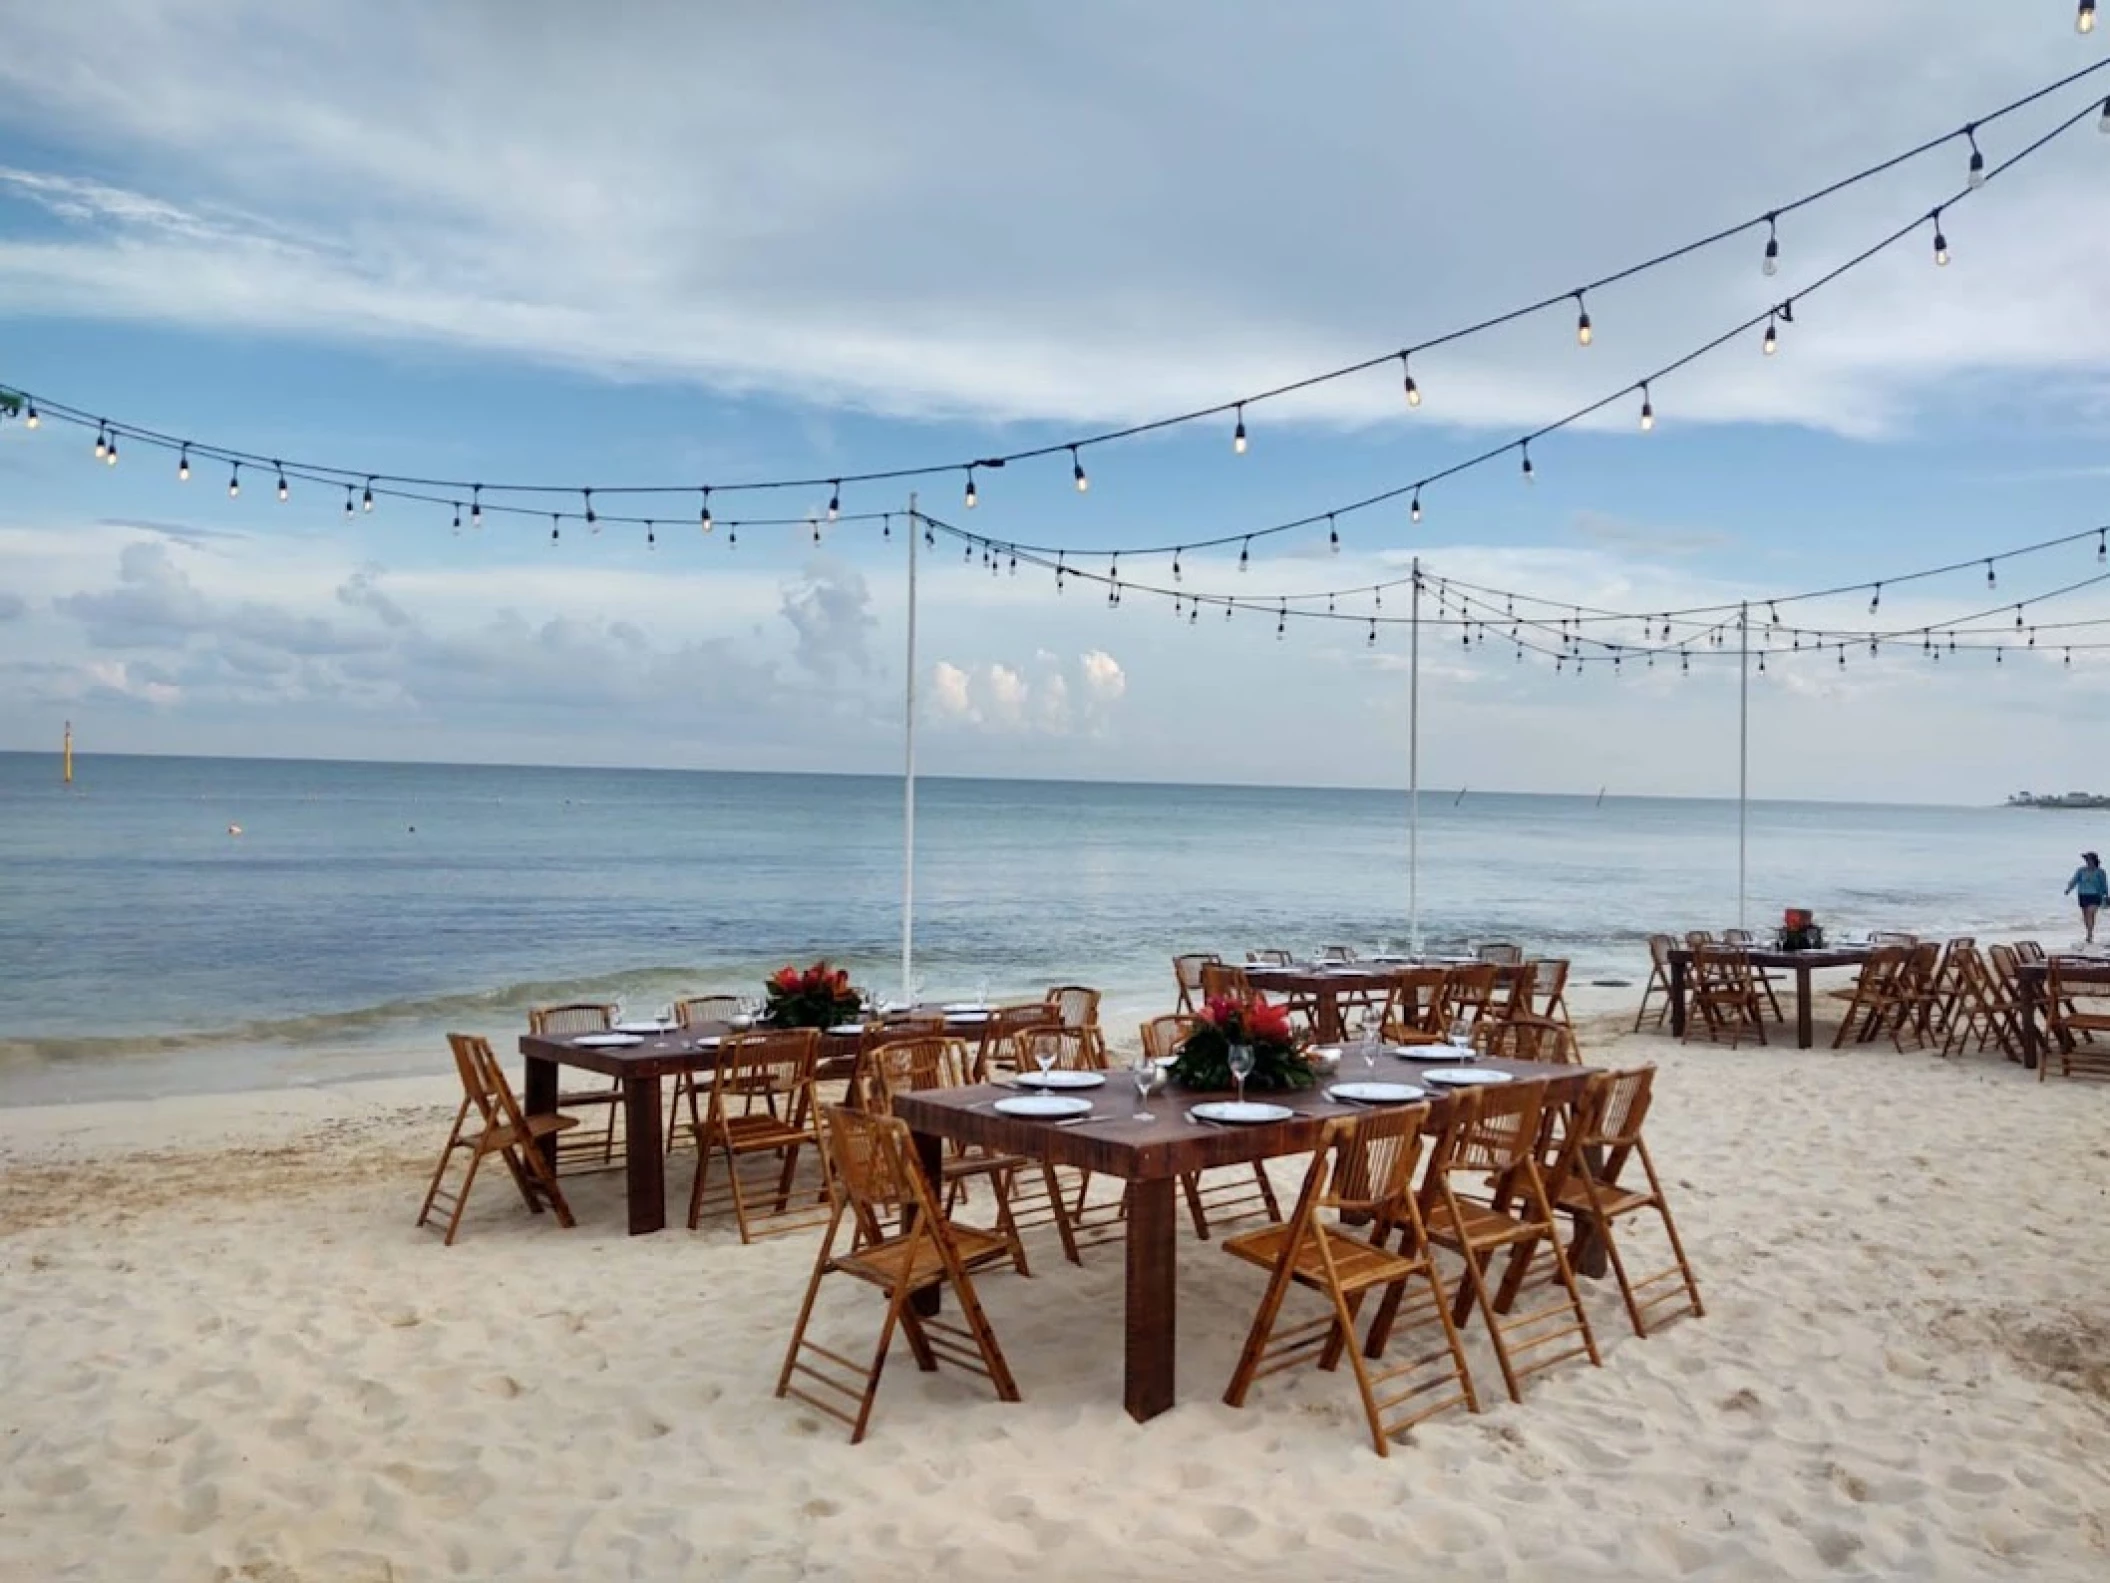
(2004, 958)
(1163, 1036)
(700, 1009)
(1963, 939)
(1660, 947)
(2028, 951)
(484, 1081)
(1695, 938)
(905, 1065)
(1489, 1132)
(1338, 953)
(1614, 1107)
(870, 1168)
(1736, 937)
(1221, 981)
(1188, 969)
(1467, 992)
(1075, 1006)
(1416, 998)
(1269, 958)
(756, 1069)
(1552, 986)
(1068, 1050)
(1722, 967)
(561, 1022)
(1499, 951)
(1516, 992)
(1000, 1031)
(1528, 1037)
(1374, 1156)
(1920, 963)
(1892, 937)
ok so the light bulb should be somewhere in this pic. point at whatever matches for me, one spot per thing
(1414, 508)
(1977, 170)
(2103, 126)
(1648, 411)
(366, 500)
(234, 481)
(835, 501)
(1333, 535)
(704, 521)
(347, 502)
(102, 445)
(2084, 19)
(1941, 242)
(1771, 266)
(1529, 476)
(110, 455)
(1238, 434)
(31, 420)
(1077, 472)
(1582, 322)
(282, 490)
(972, 498)
(1771, 344)
(183, 466)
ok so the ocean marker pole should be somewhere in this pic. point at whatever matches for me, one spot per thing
(908, 780)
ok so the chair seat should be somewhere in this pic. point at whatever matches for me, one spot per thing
(1482, 1227)
(881, 1262)
(1612, 1200)
(495, 1138)
(753, 1134)
(1359, 1264)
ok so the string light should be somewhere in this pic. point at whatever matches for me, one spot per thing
(234, 481)
(1975, 177)
(110, 451)
(1175, 565)
(1333, 535)
(1583, 333)
(1876, 600)
(366, 502)
(2084, 19)
(183, 466)
(1771, 343)
(1991, 581)
(30, 419)
(1414, 506)
(553, 534)
(2102, 126)
(458, 520)
(1245, 554)
(1525, 447)
(1941, 243)
(835, 500)
(592, 521)
(1413, 390)
(972, 499)
(2102, 551)
(1771, 264)
(651, 537)
(102, 443)
(1648, 411)
(1077, 471)
(476, 508)
(283, 491)
(1238, 434)
(348, 502)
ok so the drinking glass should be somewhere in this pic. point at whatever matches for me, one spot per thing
(616, 1015)
(1044, 1053)
(1461, 1033)
(1144, 1069)
(981, 991)
(665, 1016)
(1241, 1067)
(1371, 1039)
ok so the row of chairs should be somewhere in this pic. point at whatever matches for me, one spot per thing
(1418, 1004)
(1500, 1176)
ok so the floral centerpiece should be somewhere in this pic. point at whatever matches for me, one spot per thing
(1204, 1059)
(818, 997)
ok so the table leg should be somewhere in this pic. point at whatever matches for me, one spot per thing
(1677, 997)
(1153, 1263)
(1803, 1035)
(930, 1160)
(644, 1154)
(540, 1092)
(2031, 1047)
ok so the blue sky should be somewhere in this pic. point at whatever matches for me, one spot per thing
(506, 242)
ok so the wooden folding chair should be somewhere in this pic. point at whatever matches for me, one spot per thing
(874, 1182)
(1659, 948)
(1468, 995)
(1229, 1193)
(762, 1105)
(1871, 998)
(1720, 995)
(1363, 1167)
(1916, 996)
(594, 1149)
(1761, 980)
(696, 1011)
(1500, 952)
(1550, 992)
(1223, 981)
(1982, 1009)
(1187, 972)
(1595, 1196)
(1491, 1136)
(2075, 1011)
(1077, 1007)
(504, 1132)
(997, 1053)
(905, 1065)
(1414, 1006)
(1530, 1038)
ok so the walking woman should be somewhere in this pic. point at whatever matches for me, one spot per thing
(2093, 884)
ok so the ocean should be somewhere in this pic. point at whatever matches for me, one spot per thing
(364, 909)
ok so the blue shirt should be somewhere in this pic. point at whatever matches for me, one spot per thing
(2091, 882)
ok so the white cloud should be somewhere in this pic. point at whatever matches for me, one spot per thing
(1006, 700)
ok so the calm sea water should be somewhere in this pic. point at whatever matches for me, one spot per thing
(365, 908)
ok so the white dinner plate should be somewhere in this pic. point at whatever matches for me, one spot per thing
(848, 1030)
(1433, 1052)
(607, 1041)
(651, 1028)
(1375, 1093)
(1464, 1076)
(1247, 1114)
(1044, 1107)
(709, 1041)
(960, 1006)
(1038, 1079)
(966, 1018)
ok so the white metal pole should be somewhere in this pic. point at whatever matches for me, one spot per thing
(908, 779)
(1414, 768)
(1743, 755)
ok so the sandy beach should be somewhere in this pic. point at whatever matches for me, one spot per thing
(232, 1357)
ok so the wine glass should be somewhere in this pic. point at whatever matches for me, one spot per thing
(1241, 1067)
(981, 992)
(1461, 1033)
(1371, 1038)
(665, 1016)
(1144, 1069)
(616, 1015)
(1044, 1052)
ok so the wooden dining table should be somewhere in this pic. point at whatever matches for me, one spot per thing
(1801, 963)
(1324, 986)
(1151, 1157)
(2030, 979)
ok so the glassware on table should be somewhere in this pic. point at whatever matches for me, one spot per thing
(664, 1016)
(615, 1011)
(981, 991)
(1241, 1060)
(1370, 1038)
(1044, 1053)
(1461, 1033)
(1144, 1069)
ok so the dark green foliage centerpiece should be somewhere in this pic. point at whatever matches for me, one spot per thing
(1204, 1062)
(818, 997)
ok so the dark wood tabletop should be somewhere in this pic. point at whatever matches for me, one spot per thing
(1152, 1156)
(1801, 963)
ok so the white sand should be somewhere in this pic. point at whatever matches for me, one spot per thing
(229, 1355)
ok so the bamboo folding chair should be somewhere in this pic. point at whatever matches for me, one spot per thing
(1872, 997)
(1502, 953)
(1414, 1006)
(696, 1011)
(1187, 972)
(1721, 992)
(1223, 981)
(1363, 1168)
(998, 1050)
(1762, 980)
(564, 1022)
(2028, 951)
(2075, 1011)
(1982, 1009)
(1550, 991)
(762, 1105)
(1230, 1193)
(874, 1182)
(1078, 1007)
(1526, 1037)
(1659, 948)
(504, 1132)
(1468, 995)
(1595, 1196)
(905, 1065)
(1492, 1137)
(1916, 995)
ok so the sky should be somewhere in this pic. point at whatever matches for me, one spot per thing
(662, 244)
